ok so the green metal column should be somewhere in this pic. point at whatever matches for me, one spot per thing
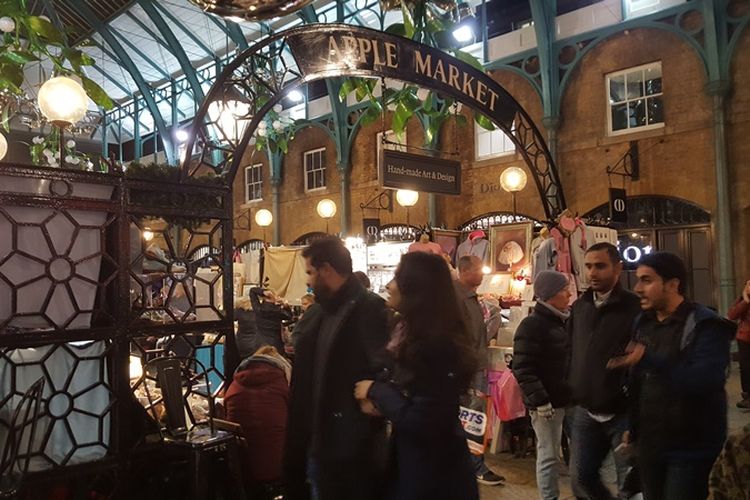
(432, 209)
(544, 12)
(345, 173)
(723, 220)
(552, 125)
(276, 210)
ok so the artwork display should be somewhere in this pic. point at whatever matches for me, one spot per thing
(510, 247)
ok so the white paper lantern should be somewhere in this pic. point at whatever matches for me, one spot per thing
(3, 146)
(513, 179)
(7, 24)
(62, 101)
(407, 198)
(326, 208)
(263, 217)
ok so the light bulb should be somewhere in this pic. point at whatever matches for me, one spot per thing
(263, 217)
(407, 198)
(326, 208)
(62, 101)
(513, 179)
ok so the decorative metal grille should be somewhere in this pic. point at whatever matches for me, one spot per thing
(653, 211)
(485, 221)
(96, 267)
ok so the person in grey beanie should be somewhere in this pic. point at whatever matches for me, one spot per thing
(540, 364)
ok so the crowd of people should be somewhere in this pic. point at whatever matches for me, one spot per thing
(369, 409)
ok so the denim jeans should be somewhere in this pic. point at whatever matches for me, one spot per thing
(664, 479)
(590, 443)
(548, 436)
(477, 461)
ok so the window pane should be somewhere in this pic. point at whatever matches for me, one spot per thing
(617, 89)
(310, 180)
(619, 117)
(637, 113)
(635, 84)
(655, 110)
(653, 80)
(484, 144)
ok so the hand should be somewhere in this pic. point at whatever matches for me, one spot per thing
(626, 437)
(634, 355)
(545, 411)
(368, 408)
(361, 389)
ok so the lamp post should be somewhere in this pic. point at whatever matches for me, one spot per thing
(263, 218)
(326, 209)
(229, 114)
(407, 199)
(513, 180)
(63, 102)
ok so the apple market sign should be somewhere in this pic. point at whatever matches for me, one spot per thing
(322, 51)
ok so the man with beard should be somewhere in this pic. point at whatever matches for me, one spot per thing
(678, 402)
(331, 443)
(600, 326)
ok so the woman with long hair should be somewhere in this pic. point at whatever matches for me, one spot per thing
(434, 364)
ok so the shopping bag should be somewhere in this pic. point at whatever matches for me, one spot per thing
(473, 416)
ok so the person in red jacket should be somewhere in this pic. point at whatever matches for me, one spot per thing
(258, 400)
(741, 311)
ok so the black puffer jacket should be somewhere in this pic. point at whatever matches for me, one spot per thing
(596, 336)
(540, 359)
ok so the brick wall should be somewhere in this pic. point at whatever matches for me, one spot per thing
(676, 160)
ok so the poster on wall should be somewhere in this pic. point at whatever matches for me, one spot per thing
(510, 247)
(448, 241)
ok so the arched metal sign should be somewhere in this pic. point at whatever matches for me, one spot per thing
(260, 77)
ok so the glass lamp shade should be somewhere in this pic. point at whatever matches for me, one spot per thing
(250, 10)
(230, 118)
(326, 208)
(263, 217)
(62, 101)
(513, 179)
(3, 146)
(407, 198)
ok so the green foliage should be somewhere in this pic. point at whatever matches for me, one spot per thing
(275, 132)
(425, 23)
(35, 39)
(45, 151)
(164, 198)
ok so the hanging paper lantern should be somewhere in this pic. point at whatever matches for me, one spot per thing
(250, 10)
(3, 146)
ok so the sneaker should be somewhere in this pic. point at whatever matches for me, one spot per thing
(490, 478)
(744, 404)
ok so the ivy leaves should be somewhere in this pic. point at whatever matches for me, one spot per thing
(425, 22)
(35, 39)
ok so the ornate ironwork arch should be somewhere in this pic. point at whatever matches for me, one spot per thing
(484, 221)
(260, 76)
(308, 238)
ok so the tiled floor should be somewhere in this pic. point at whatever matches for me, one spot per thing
(519, 473)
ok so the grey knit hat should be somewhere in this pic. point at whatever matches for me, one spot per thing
(548, 283)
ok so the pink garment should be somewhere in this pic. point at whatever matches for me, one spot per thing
(562, 245)
(506, 395)
(430, 247)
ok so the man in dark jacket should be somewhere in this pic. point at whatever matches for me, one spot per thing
(600, 326)
(678, 401)
(269, 312)
(469, 278)
(540, 362)
(341, 340)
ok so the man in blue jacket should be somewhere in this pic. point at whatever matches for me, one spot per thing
(677, 397)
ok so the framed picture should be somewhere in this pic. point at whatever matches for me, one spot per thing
(510, 247)
(448, 241)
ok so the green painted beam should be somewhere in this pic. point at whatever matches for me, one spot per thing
(143, 56)
(209, 52)
(89, 16)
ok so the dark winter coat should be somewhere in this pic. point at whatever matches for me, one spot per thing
(258, 399)
(355, 322)
(429, 456)
(246, 332)
(540, 359)
(596, 336)
(679, 405)
(268, 318)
